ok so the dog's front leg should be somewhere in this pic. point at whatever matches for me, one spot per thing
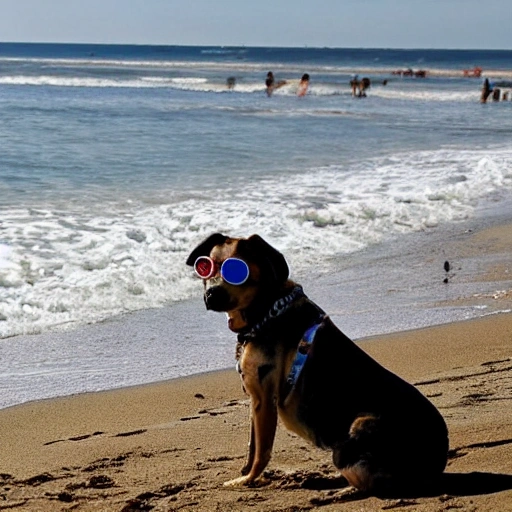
(250, 456)
(263, 430)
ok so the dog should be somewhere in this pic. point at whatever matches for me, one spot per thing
(295, 364)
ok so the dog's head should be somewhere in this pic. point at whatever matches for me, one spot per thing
(267, 273)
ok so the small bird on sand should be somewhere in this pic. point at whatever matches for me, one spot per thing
(447, 269)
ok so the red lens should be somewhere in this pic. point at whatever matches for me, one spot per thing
(204, 267)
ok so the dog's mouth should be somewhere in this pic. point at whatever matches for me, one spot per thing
(217, 298)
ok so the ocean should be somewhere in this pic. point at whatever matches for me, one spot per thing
(117, 160)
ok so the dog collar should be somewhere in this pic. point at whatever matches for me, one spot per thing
(279, 307)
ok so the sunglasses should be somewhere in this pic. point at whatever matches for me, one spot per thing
(232, 270)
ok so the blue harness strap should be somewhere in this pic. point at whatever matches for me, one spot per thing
(302, 353)
(300, 358)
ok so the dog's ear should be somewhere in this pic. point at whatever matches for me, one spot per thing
(205, 247)
(264, 253)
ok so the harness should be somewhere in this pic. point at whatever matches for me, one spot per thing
(302, 353)
(277, 309)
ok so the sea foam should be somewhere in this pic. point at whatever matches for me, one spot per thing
(61, 268)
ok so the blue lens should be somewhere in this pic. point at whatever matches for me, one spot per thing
(234, 271)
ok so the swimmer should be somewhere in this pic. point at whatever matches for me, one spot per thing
(269, 83)
(303, 85)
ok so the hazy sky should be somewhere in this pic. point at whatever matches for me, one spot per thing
(480, 24)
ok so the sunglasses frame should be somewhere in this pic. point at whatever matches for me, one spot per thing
(215, 268)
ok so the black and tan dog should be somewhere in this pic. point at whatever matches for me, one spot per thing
(295, 363)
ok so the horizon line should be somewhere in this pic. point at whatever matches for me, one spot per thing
(240, 46)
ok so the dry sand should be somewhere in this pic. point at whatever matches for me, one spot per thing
(170, 446)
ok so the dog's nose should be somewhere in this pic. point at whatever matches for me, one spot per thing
(216, 298)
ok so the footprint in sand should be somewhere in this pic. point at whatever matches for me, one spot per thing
(131, 433)
(75, 438)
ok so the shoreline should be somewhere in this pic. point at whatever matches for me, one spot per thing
(392, 286)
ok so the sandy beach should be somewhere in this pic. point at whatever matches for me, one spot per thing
(170, 446)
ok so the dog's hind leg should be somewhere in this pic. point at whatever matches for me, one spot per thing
(357, 457)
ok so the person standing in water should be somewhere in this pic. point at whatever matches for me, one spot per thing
(269, 83)
(303, 85)
(486, 91)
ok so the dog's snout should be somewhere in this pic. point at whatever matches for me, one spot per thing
(216, 298)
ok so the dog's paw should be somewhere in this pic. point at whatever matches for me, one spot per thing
(239, 482)
(246, 481)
